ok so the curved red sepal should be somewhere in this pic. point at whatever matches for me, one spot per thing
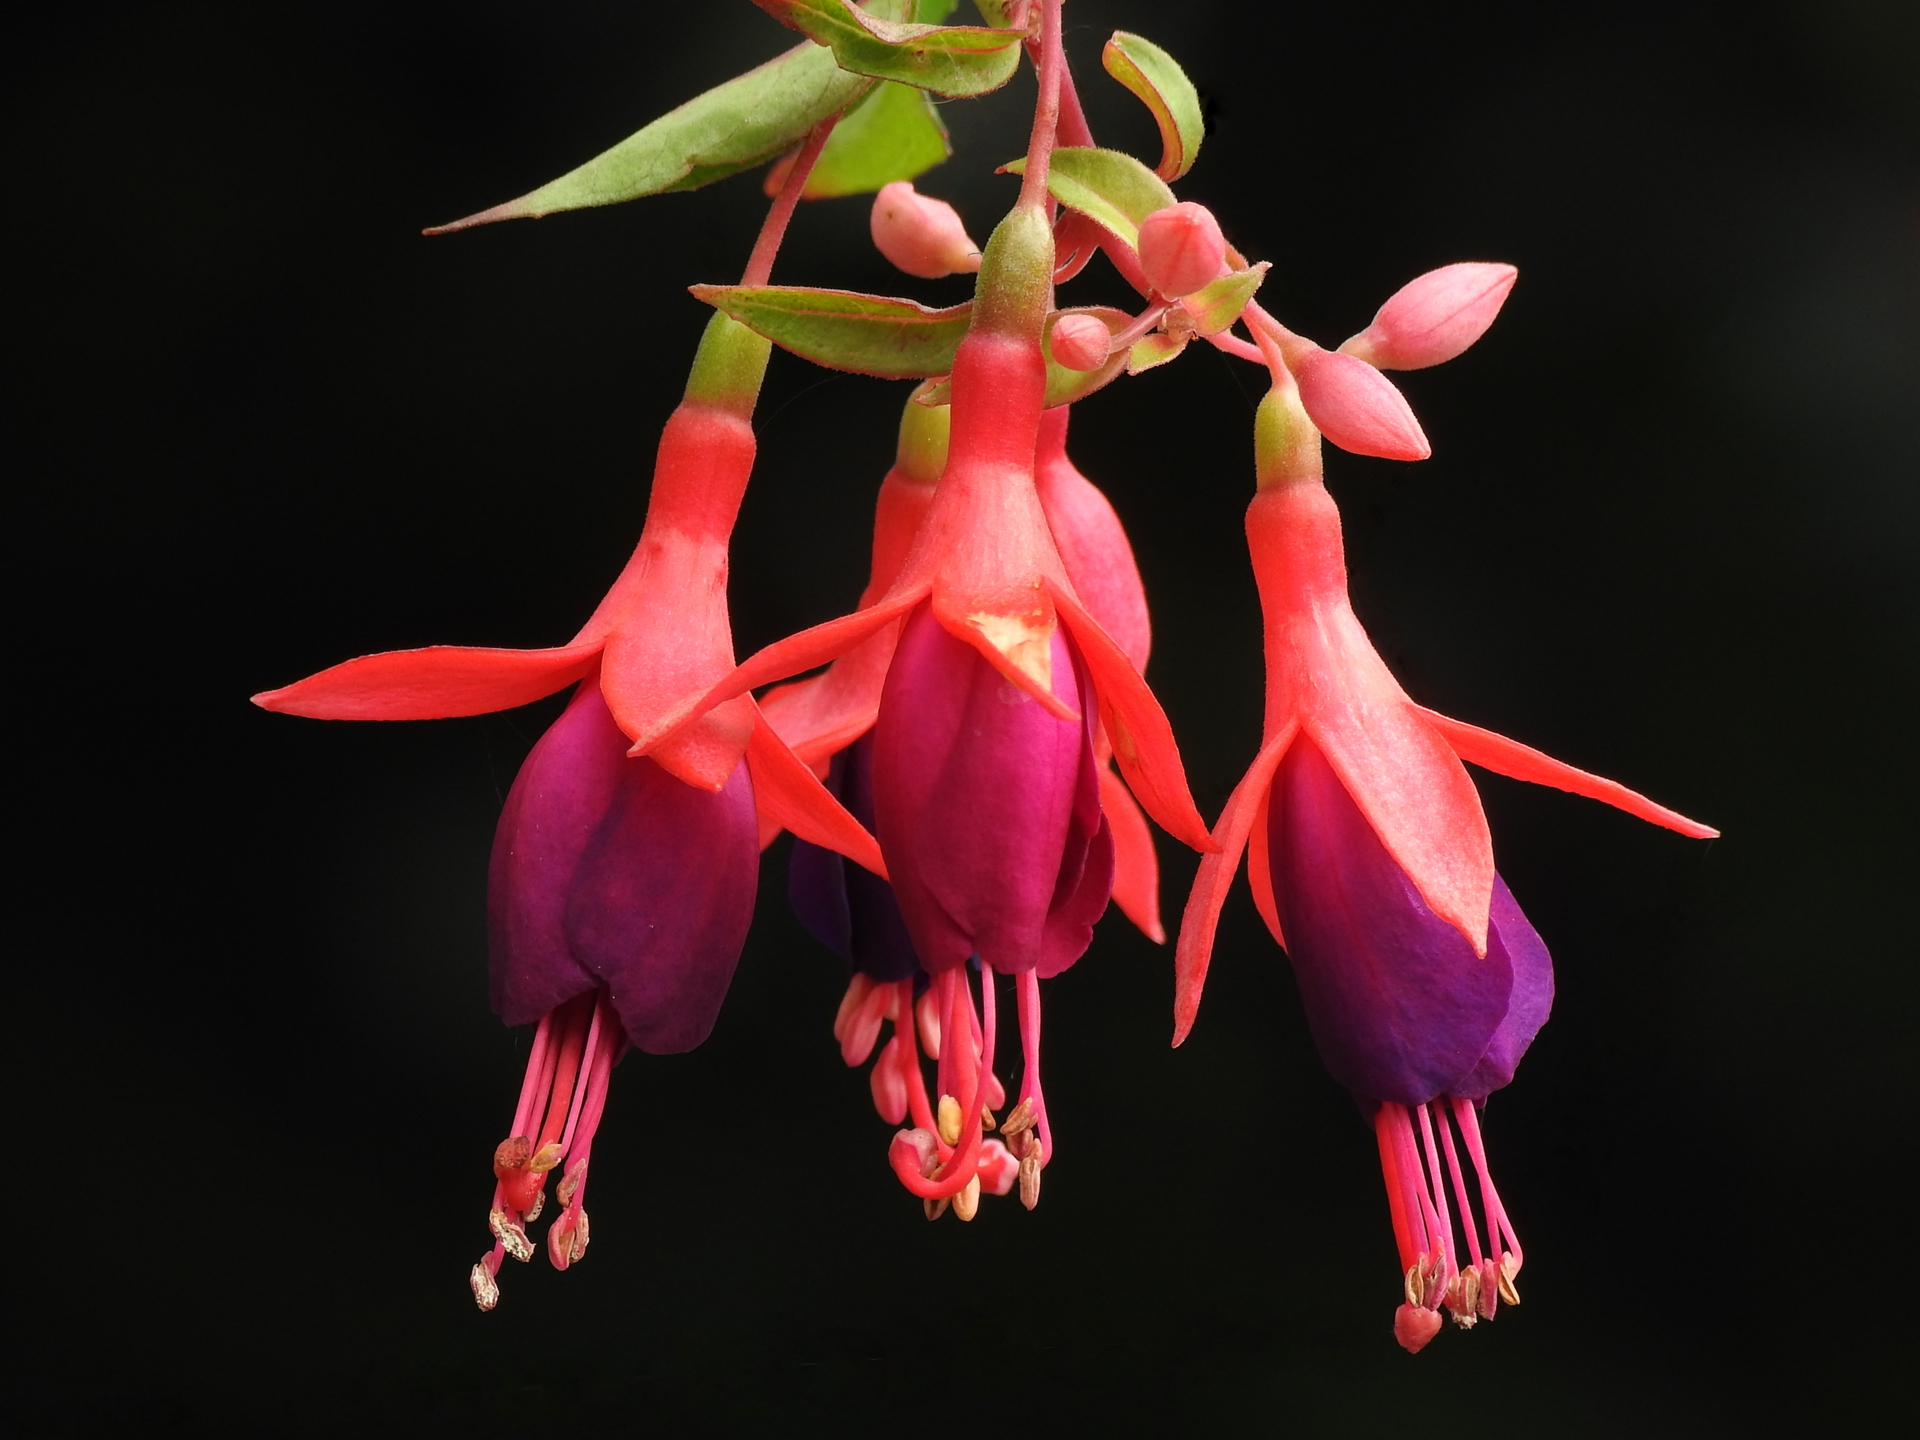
(787, 793)
(437, 682)
(821, 716)
(815, 646)
(1522, 762)
(1260, 872)
(1136, 869)
(1142, 739)
(1210, 885)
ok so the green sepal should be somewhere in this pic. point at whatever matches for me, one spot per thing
(952, 60)
(1217, 304)
(1153, 350)
(895, 134)
(732, 127)
(867, 334)
(1112, 189)
(1163, 87)
(1064, 386)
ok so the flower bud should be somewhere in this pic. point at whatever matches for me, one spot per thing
(1435, 317)
(1080, 342)
(921, 235)
(1181, 249)
(1356, 407)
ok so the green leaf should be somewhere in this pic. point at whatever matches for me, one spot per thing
(895, 134)
(867, 334)
(1156, 77)
(1217, 304)
(994, 12)
(1154, 349)
(953, 60)
(733, 127)
(1114, 190)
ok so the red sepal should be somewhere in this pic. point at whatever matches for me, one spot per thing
(1522, 762)
(1136, 868)
(437, 682)
(786, 792)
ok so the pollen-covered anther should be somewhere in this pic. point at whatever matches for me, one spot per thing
(1030, 1177)
(966, 1204)
(511, 1234)
(567, 1239)
(1509, 1268)
(949, 1119)
(575, 1177)
(486, 1290)
(532, 1212)
(1020, 1120)
(1463, 1298)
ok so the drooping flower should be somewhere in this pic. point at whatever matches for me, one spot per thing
(992, 619)
(621, 886)
(1371, 863)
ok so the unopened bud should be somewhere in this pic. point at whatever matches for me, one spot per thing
(967, 1203)
(1413, 1327)
(1356, 407)
(1181, 249)
(486, 1290)
(1435, 317)
(949, 1119)
(921, 235)
(1080, 342)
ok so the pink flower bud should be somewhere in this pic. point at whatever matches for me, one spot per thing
(921, 235)
(1358, 408)
(1080, 342)
(1435, 317)
(1181, 249)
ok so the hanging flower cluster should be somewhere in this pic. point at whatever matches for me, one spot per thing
(970, 778)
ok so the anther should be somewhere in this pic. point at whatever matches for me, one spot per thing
(510, 1234)
(949, 1119)
(1021, 1118)
(486, 1290)
(1509, 1267)
(987, 1122)
(575, 1177)
(1030, 1177)
(967, 1203)
(1463, 1298)
(532, 1212)
(935, 1208)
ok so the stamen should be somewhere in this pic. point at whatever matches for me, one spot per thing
(1027, 993)
(949, 1120)
(486, 1290)
(510, 1234)
(966, 1204)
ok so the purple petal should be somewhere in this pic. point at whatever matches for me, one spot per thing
(1527, 1006)
(660, 904)
(983, 807)
(846, 907)
(557, 802)
(1400, 1007)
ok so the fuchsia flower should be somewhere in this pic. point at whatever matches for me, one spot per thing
(1371, 863)
(985, 751)
(621, 887)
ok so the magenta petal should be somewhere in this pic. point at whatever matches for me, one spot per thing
(660, 904)
(608, 871)
(987, 807)
(1529, 1003)
(557, 802)
(1400, 1007)
(844, 906)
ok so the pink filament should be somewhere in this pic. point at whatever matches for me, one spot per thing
(1027, 995)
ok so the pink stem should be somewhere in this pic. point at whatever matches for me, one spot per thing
(774, 229)
(533, 1087)
(1046, 112)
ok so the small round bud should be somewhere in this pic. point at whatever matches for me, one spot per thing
(1434, 318)
(921, 235)
(1080, 342)
(1181, 249)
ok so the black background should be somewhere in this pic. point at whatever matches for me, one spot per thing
(1669, 533)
